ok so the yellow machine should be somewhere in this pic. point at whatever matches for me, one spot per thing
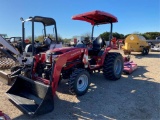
(135, 43)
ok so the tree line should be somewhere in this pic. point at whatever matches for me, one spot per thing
(147, 35)
(41, 38)
(105, 35)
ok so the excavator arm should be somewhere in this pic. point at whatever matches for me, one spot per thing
(9, 51)
(8, 46)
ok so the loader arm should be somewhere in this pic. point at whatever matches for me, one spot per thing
(6, 44)
(60, 61)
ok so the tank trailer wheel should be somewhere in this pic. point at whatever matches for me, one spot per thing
(79, 82)
(113, 66)
(147, 51)
(144, 51)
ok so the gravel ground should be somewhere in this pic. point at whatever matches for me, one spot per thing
(135, 96)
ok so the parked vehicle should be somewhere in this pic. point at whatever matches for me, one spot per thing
(158, 38)
(135, 43)
(24, 54)
(34, 94)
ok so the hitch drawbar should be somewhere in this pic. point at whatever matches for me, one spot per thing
(8, 78)
(5, 78)
(32, 97)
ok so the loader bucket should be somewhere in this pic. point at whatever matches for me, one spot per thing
(32, 97)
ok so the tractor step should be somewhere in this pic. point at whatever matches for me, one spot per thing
(94, 66)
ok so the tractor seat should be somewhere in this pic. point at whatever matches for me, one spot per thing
(97, 45)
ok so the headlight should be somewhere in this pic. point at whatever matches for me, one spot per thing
(54, 56)
(48, 57)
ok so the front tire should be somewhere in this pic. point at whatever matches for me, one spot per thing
(113, 66)
(79, 82)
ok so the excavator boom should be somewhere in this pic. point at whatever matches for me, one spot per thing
(7, 45)
(7, 50)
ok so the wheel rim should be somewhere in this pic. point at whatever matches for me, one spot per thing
(82, 82)
(118, 66)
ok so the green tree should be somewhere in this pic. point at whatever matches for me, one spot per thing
(105, 35)
(41, 38)
(147, 35)
(151, 35)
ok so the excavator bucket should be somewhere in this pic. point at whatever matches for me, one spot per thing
(32, 97)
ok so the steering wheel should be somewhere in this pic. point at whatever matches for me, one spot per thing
(36, 45)
(86, 42)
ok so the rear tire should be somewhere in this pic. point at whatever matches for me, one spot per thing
(79, 82)
(113, 66)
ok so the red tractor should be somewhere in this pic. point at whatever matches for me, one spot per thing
(34, 95)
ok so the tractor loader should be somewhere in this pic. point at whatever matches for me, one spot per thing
(135, 43)
(35, 94)
(25, 58)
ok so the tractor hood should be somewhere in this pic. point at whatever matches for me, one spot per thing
(61, 50)
(58, 51)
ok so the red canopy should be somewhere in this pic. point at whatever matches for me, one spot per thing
(96, 17)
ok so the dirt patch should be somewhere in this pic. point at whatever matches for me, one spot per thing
(135, 96)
